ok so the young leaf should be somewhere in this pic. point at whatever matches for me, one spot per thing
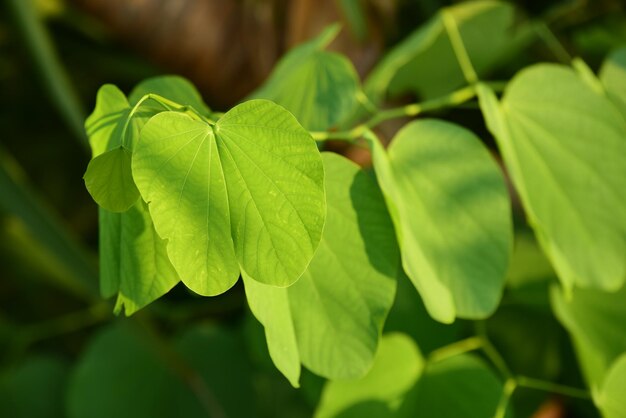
(595, 319)
(105, 124)
(109, 180)
(251, 186)
(611, 400)
(397, 367)
(550, 125)
(451, 212)
(172, 87)
(331, 319)
(320, 88)
(425, 62)
(133, 259)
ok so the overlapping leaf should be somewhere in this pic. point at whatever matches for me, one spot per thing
(451, 213)
(613, 78)
(610, 399)
(320, 88)
(595, 319)
(245, 194)
(133, 259)
(330, 320)
(563, 142)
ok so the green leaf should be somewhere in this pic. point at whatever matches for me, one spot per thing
(175, 88)
(460, 387)
(250, 186)
(613, 78)
(109, 180)
(611, 400)
(425, 62)
(595, 320)
(133, 259)
(331, 318)
(105, 124)
(397, 367)
(320, 88)
(563, 143)
(126, 373)
(451, 212)
(34, 388)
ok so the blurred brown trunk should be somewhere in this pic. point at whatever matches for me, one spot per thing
(226, 48)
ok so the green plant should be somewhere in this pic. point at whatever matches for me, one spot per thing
(327, 251)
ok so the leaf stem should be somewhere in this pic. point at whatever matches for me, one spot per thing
(455, 98)
(491, 352)
(459, 47)
(553, 43)
(455, 349)
(507, 392)
(538, 384)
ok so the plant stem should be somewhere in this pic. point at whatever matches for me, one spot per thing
(459, 47)
(455, 349)
(492, 354)
(538, 384)
(553, 43)
(507, 392)
(453, 99)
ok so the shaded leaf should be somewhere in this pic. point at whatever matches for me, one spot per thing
(397, 367)
(549, 125)
(34, 389)
(451, 213)
(595, 320)
(613, 78)
(331, 318)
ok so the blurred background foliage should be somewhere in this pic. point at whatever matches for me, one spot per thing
(62, 353)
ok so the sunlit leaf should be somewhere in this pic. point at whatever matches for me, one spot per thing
(330, 320)
(109, 180)
(397, 367)
(320, 88)
(451, 212)
(563, 143)
(172, 87)
(250, 186)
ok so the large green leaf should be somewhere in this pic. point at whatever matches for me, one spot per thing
(34, 388)
(248, 190)
(613, 77)
(425, 62)
(320, 88)
(331, 319)
(397, 367)
(123, 373)
(595, 320)
(451, 212)
(611, 399)
(563, 142)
